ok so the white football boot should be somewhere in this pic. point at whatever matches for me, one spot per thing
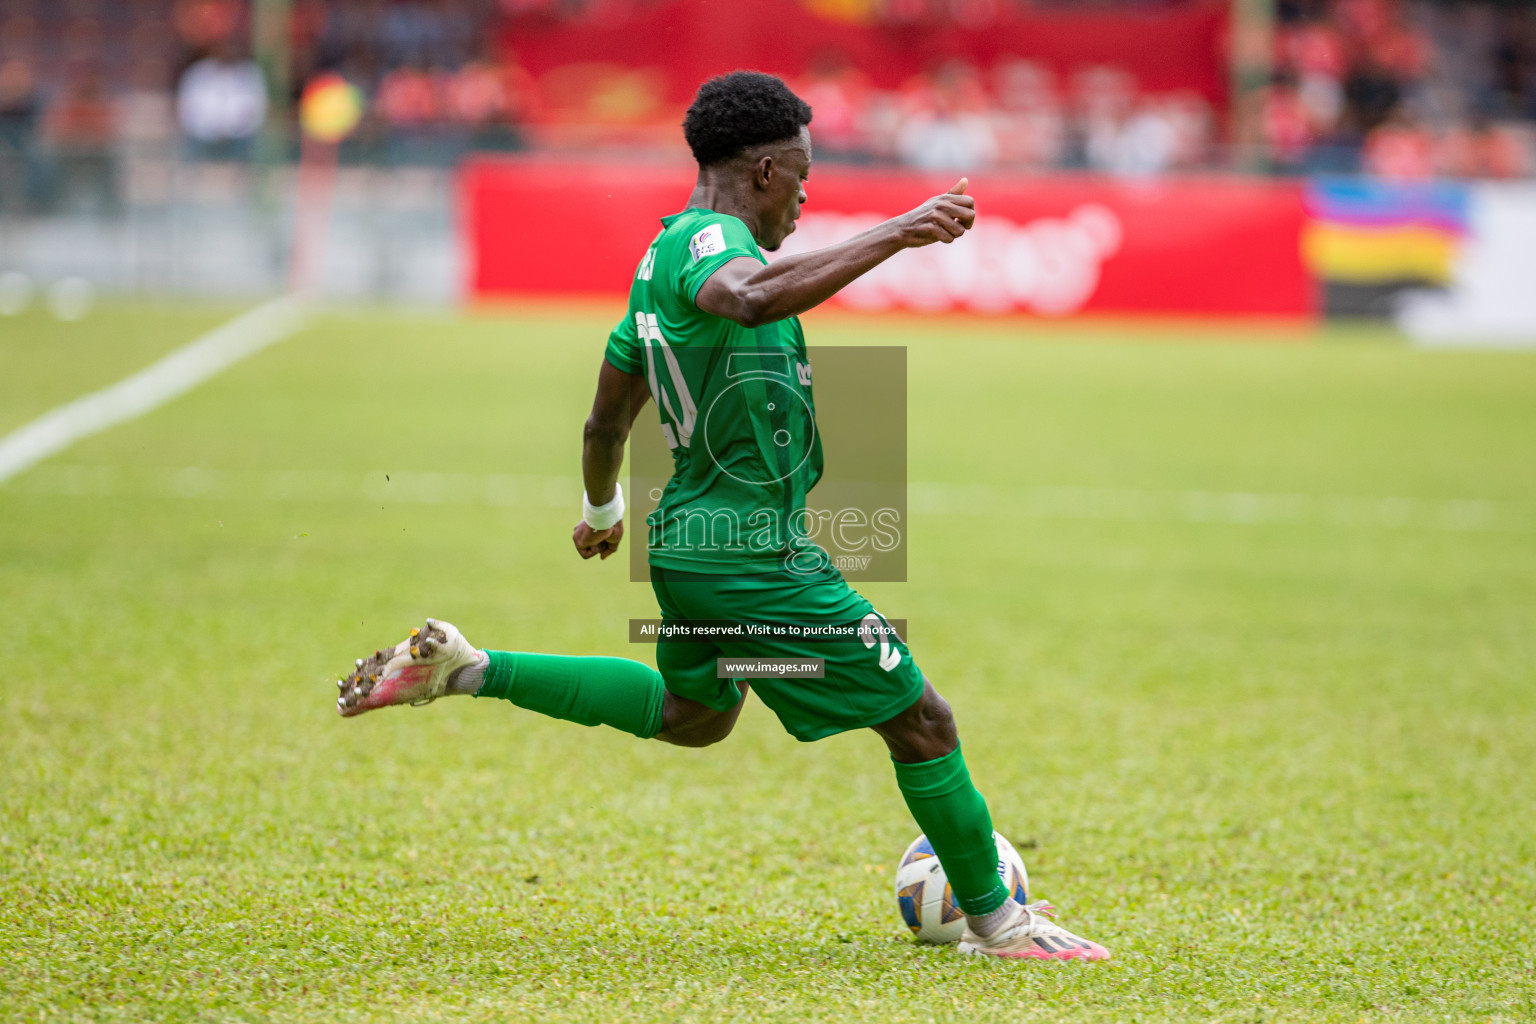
(1030, 935)
(415, 671)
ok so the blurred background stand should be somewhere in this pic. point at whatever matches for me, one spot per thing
(153, 146)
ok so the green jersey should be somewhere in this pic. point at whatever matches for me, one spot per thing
(735, 404)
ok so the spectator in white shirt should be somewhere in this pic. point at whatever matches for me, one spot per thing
(221, 103)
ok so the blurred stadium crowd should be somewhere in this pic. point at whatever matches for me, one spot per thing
(1404, 89)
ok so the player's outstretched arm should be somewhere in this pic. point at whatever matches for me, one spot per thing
(750, 293)
(620, 397)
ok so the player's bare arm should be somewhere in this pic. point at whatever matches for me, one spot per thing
(620, 397)
(750, 293)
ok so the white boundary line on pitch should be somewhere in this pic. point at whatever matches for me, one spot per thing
(169, 377)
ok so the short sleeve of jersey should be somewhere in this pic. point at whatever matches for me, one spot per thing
(721, 239)
(624, 347)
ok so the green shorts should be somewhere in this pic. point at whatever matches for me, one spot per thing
(863, 685)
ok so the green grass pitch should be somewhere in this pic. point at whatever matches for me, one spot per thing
(1245, 663)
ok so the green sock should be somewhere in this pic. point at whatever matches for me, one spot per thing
(592, 691)
(954, 817)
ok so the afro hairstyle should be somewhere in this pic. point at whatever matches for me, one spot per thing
(742, 109)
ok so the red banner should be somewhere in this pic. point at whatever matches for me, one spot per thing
(1165, 47)
(1051, 246)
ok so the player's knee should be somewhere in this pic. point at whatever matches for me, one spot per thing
(704, 734)
(711, 735)
(930, 713)
(933, 720)
(933, 733)
(690, 724)
(924, 731)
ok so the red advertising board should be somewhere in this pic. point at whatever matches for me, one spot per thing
(1051, 246)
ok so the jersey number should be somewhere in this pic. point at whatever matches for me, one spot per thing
(650, 333)
(872, 626)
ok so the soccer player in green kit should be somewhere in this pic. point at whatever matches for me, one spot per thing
(712, 336)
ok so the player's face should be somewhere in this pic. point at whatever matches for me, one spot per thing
(786, 190)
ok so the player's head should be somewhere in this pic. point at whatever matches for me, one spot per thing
(749, 127)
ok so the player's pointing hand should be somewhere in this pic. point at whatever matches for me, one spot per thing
(941, 219)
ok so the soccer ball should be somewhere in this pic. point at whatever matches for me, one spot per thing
(924, 898)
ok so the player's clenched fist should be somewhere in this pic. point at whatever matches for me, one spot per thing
(941, 219)
(602, 543)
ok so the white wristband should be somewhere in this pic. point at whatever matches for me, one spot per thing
(603, 517)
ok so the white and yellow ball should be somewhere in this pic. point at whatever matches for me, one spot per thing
(924, 897)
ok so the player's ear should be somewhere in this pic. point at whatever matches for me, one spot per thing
(764, 172)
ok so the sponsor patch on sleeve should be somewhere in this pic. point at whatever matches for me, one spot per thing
(707, 242)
